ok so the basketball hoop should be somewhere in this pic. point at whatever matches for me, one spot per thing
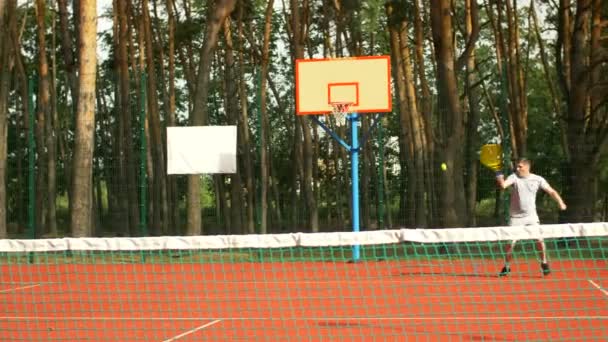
(339, 111)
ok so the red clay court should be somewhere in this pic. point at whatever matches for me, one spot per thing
(393, 300)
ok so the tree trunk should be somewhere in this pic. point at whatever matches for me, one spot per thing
(418, 134)
(15, 45)
(51, 136)
(3, 10)
(158, 45)
(173, 200)
(67, 49)
(244, 143)
(218, 13)
(472, 136)
(452, 201)
(505, 132)
(502, 62)
(70, 67)
(129, 203)
(426, 110)
(5, 75)
(46, 171)
(555, 100)
(265, 130)
(366, 177)
(587, 123)
(278, 209)
(81, 215)
(406, 141)
(156, 142)
(563, 45)
(387, 195)
(104, 155)
(231, 105)
(296, 156)
(299, 26)
(518, 104)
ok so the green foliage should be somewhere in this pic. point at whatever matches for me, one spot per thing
(402, 11)
(207, 193)
(187, 31)
(366, 26)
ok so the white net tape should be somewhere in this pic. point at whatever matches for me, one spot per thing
(377, 237)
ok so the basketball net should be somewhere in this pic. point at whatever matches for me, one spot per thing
(340, 111)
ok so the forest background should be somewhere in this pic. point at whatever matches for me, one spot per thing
(87, 89)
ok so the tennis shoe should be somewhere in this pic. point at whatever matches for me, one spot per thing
(504, 272)
(545, 268)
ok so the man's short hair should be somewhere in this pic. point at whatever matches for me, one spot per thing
(524, 160)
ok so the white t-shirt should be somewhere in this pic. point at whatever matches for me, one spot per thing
(523, 195)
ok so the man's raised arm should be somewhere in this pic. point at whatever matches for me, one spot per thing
(501, 182)
(556, 197)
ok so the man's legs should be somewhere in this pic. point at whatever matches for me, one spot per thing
(542, 249)
(540, 246)
(544, 265)
(513, 221)
(509, 251)
(508, 257)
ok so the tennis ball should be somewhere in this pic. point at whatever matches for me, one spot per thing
(444, 166)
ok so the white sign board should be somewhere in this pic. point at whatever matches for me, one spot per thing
(201, 150)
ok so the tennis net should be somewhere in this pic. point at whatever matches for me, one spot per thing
(408, 284)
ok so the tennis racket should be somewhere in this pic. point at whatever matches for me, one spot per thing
(491, 156)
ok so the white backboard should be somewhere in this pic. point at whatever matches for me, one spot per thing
(201, 149)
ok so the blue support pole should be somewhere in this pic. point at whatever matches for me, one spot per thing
(330, 132)
(354, 148)
(354, 170)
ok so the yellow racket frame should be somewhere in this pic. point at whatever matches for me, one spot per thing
(491, 156)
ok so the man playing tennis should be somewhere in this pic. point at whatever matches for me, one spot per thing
(523, 206)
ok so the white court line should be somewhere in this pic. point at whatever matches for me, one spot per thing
(412, 318)
(177, 337)
(394, 279)
(261, 298)
(28, 282)
(402, 280)
(598, 287)
(19, 288)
